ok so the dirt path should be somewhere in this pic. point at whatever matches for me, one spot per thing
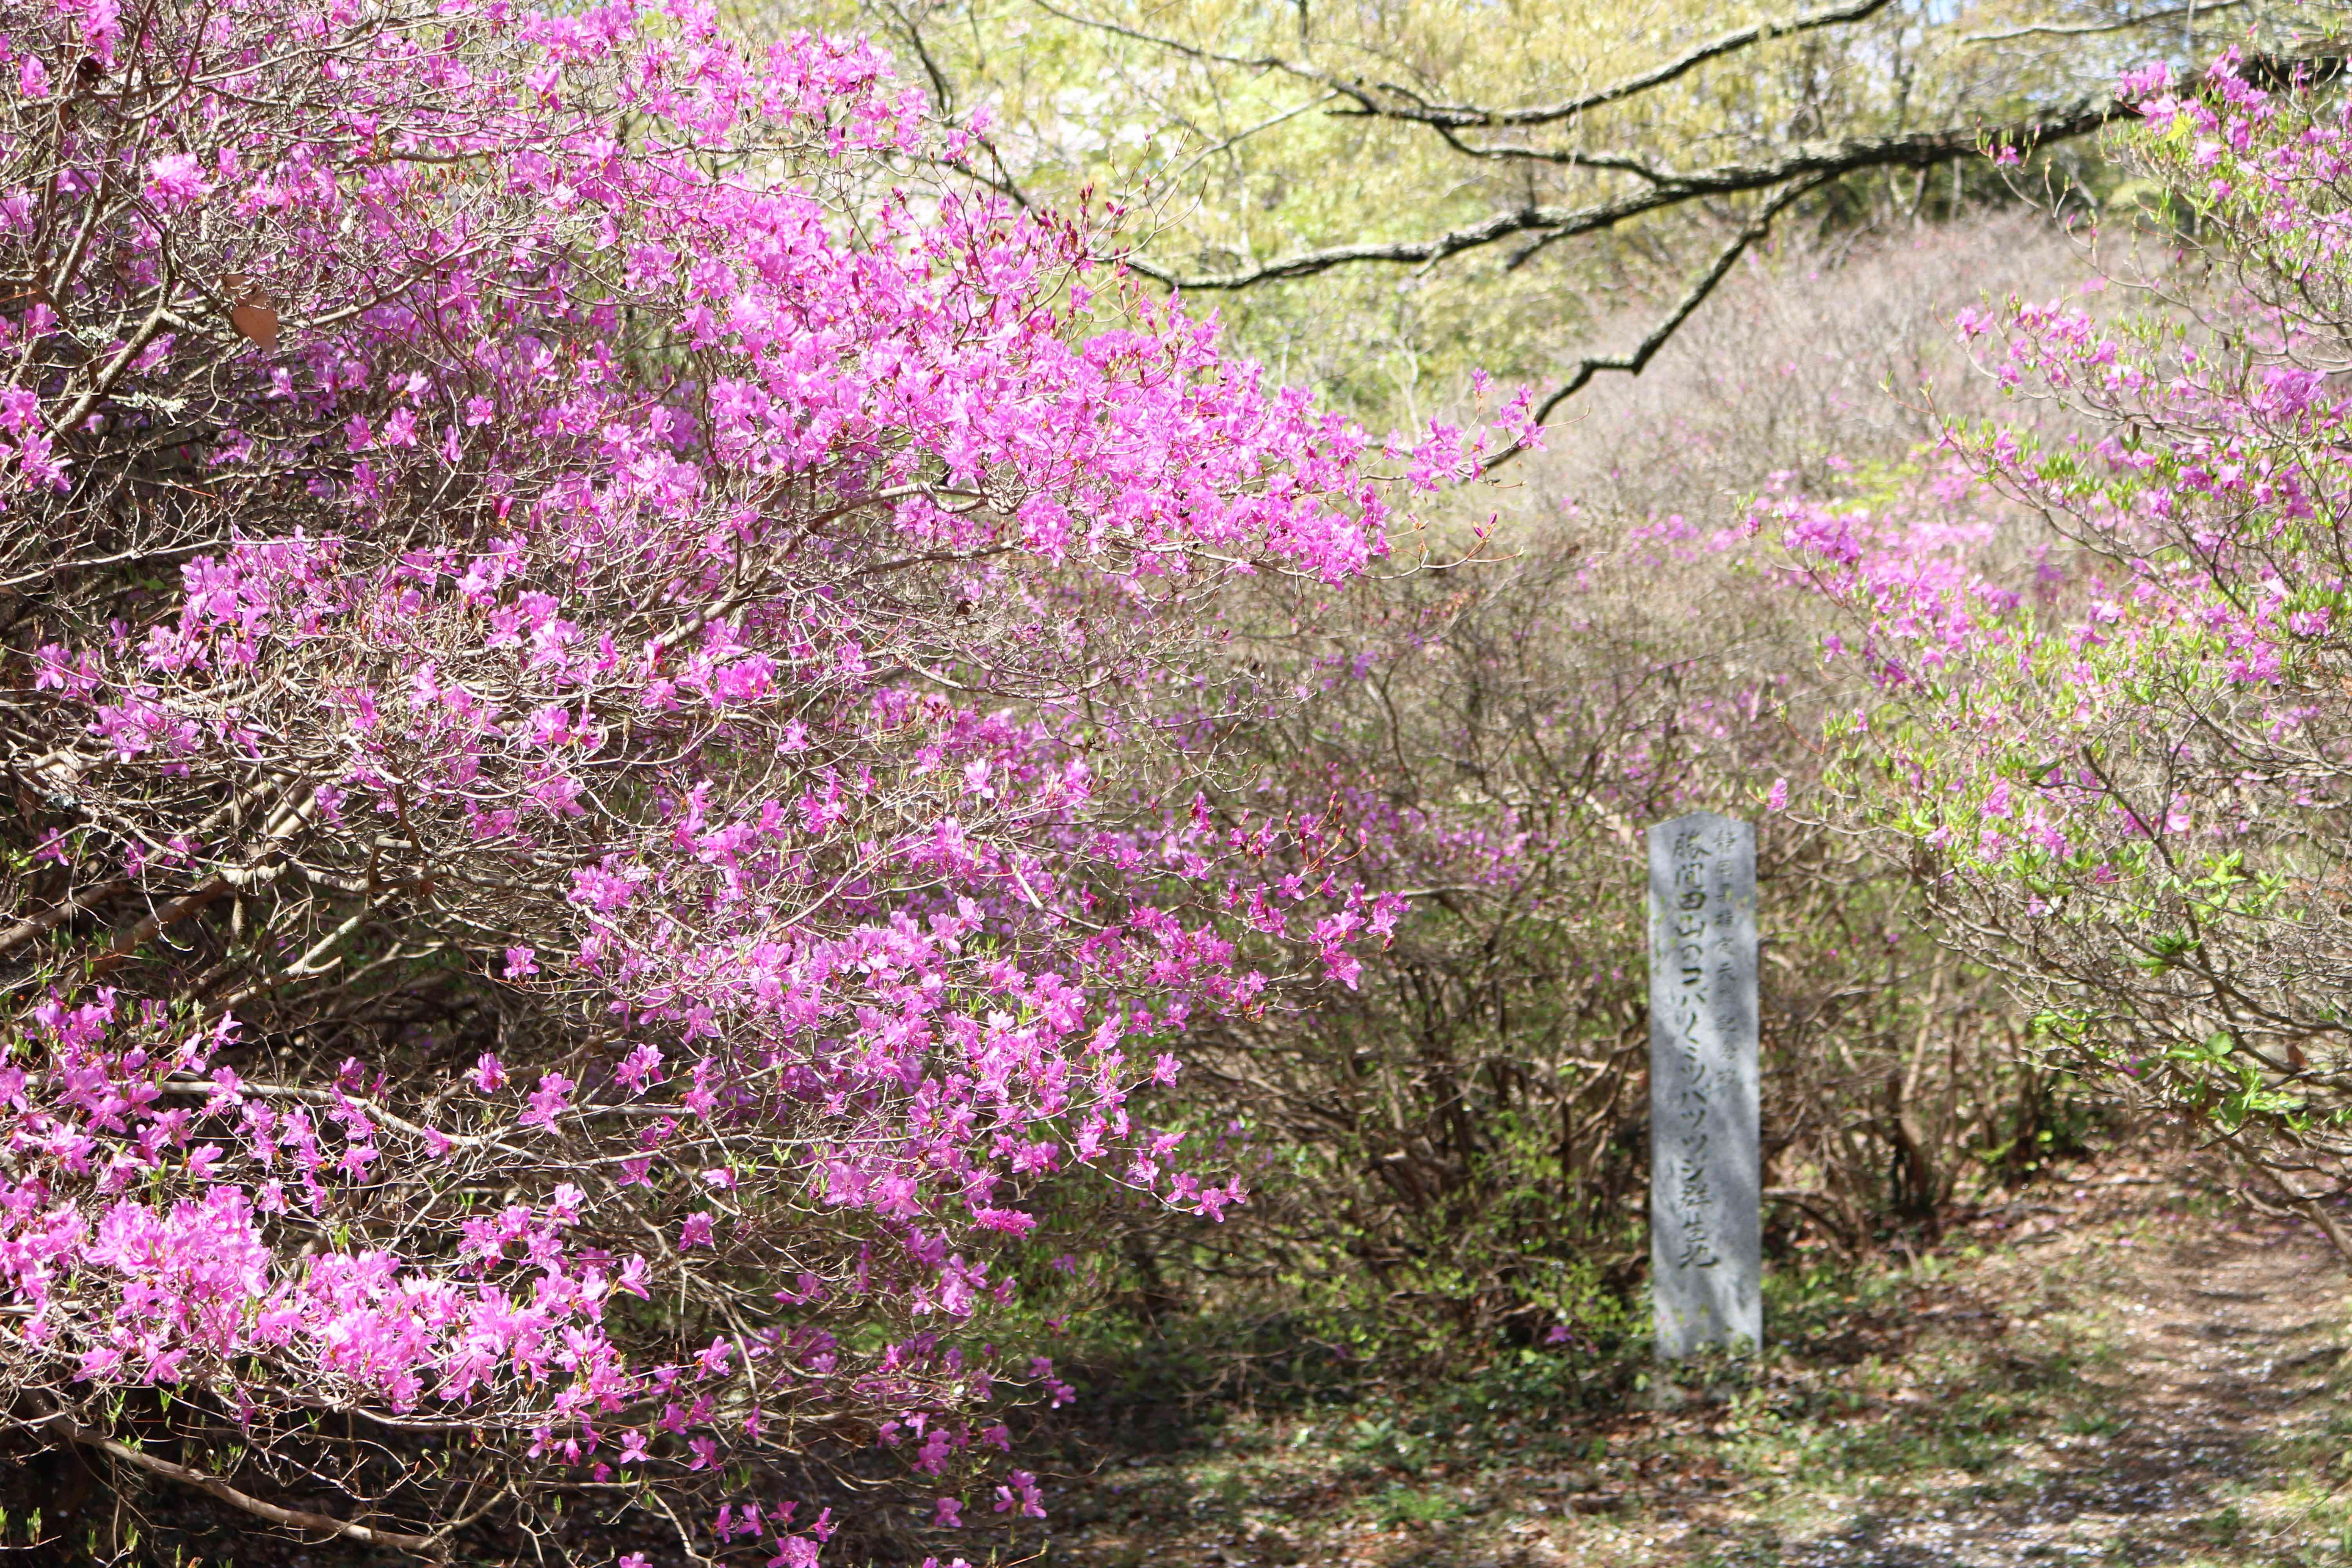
(2213, 1360)
(2120, 1374)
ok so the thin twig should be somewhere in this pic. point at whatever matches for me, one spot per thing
(2073, 29)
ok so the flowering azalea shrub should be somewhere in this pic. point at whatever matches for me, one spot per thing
(603, 697)
(2115, 682)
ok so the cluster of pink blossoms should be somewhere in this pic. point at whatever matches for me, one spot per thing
(698, 608)
(2114, 727)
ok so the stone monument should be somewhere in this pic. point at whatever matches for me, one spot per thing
(1707, 1243)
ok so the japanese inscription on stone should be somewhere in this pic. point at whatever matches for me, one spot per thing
(1705, 1222)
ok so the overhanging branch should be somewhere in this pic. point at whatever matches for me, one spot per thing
(2074, 30)
(1814, 163)
(1401, 103)
(1466, 116)
(2283, 70)
(1633, 363)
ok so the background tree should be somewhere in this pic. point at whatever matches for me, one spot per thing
(1386, 196)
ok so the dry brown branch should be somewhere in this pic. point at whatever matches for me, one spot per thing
(65, 909)
(213, 1486)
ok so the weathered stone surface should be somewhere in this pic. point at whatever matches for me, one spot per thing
(1706, 1199)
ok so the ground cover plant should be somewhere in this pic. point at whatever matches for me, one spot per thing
(2124, 1367)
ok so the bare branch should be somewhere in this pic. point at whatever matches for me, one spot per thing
(2049, 29)
(1459, 116)
(1633, 363)
(170, 914)
(1815, 163)
(65, 909)
(1238, 137)
(1194, 51)
(297, 1518)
